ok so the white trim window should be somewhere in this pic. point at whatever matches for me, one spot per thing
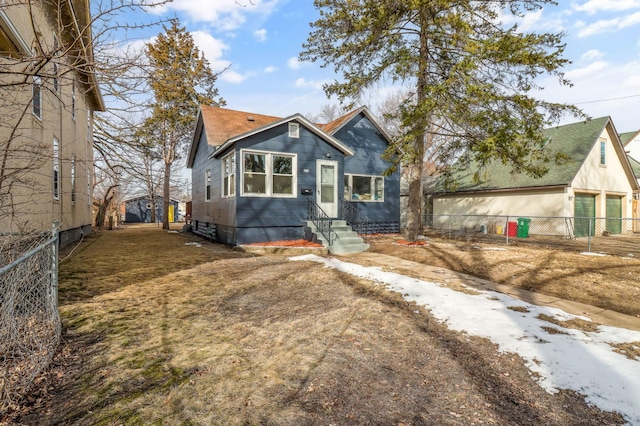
(36, 99)
(229, 175)
(268, 174)
(207, 185)
(294, 130)
(56, 169)
(603, 152)
(363, 188)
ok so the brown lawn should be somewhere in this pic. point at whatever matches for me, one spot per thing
(160, 332)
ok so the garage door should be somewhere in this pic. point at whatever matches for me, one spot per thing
(614, 214)
(584, 212)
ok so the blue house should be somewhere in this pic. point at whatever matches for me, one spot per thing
(259, 178)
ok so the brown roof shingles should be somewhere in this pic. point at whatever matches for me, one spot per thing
(222, 124)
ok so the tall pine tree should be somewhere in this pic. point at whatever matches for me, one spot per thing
(471, 79)
(181, 81)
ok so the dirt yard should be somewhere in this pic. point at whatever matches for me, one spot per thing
(164, 328)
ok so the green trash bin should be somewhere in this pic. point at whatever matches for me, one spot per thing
(523, 227)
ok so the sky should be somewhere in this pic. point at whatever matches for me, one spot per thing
(578, 360)
(258, 42)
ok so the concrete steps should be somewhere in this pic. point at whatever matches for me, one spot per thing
(345, 240)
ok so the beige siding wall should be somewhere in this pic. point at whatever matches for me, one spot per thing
(521, 203)
(30, 148)
(603, 180)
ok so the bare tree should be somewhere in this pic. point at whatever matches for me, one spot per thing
(53, 58)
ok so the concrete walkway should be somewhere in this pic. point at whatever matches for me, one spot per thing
(451, 278)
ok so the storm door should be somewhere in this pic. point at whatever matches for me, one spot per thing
(327, 187)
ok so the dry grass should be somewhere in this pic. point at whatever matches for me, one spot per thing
(609, 282)
(631, 350)
(575, 323)
(157, 332)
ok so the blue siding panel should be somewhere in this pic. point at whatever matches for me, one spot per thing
(247, 219)
(369, 145)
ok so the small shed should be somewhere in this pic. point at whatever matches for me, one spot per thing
(138, 210)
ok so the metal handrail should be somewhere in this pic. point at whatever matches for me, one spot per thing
(320, 219)
(357, 221)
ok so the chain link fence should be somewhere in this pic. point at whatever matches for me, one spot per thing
(29, 319)
(620, 236)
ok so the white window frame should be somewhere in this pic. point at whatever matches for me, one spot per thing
(603, 153)
(294, 130)
(207, 185)
(228, 170)
(269, 174)
(56, 169)
(348, 190)
(36, 97)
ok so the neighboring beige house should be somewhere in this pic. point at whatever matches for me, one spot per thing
(48, 93)
(597, 181)
(631, 142)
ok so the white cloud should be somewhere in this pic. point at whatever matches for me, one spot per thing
(589, 70)
(222, 14)
(212, 48)
(294, 63)
(231, 76)
(609, 25)
(594, 6)
(302, 83)
(592, 54)
(270, 69)
(261, 35)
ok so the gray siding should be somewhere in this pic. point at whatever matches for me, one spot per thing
(369, 145)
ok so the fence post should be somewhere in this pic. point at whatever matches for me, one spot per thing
(54, 264)
(589, 236)
(506, 230)
(449, 226)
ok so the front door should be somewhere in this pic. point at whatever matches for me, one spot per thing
(327, 186)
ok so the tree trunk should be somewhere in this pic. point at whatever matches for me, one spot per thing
(416, 163)
(103, 206)
(415, 201)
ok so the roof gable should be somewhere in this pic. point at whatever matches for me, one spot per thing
(333, 127)
(576, 140)
(223, 127)
(294, 118)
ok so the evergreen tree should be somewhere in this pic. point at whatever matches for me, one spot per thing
(471, 80)
(181, 80)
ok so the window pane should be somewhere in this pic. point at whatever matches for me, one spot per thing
(361, 187)
(347, 191)
(326, 175)
(378, 188)
(254, 163)
(254, 183)
(282, 165)
(283, 185)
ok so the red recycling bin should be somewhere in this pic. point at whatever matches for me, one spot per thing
(512, 229)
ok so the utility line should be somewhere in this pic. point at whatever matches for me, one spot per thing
(606, 100)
